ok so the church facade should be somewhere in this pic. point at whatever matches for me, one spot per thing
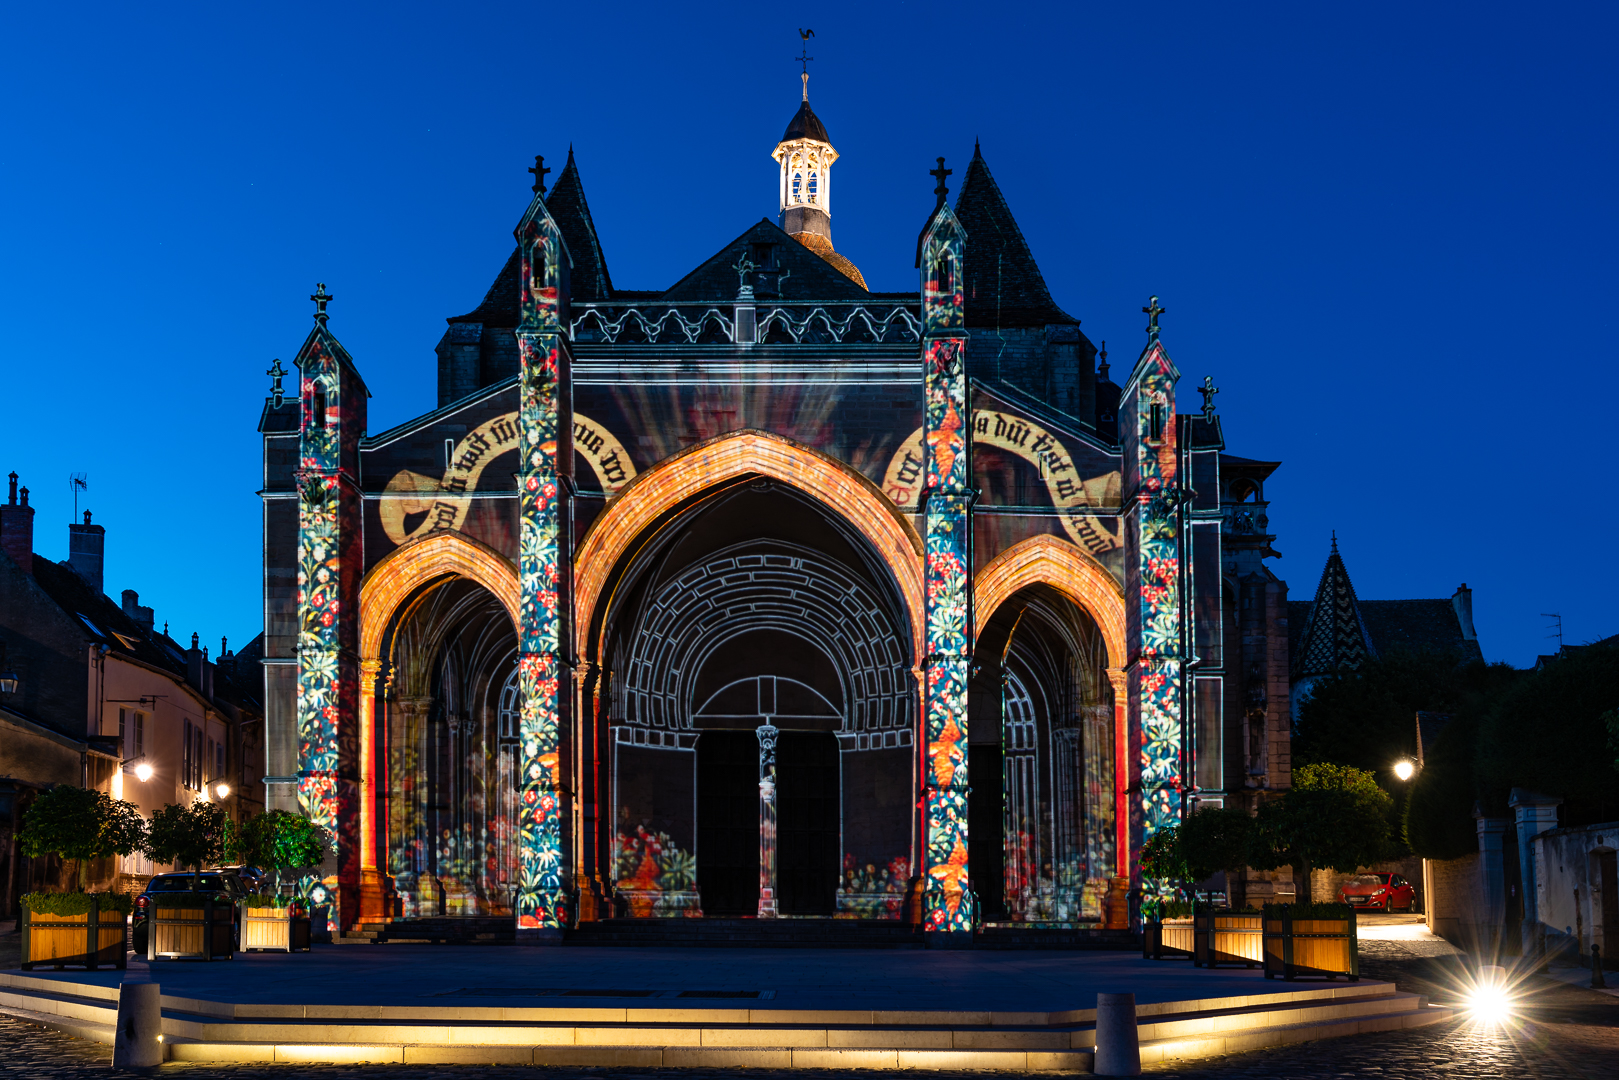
(761, 594)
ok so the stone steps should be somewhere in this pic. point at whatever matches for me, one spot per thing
(721, 1037)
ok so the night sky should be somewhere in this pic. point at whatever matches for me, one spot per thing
(1388, 234)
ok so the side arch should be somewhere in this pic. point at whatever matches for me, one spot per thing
(641, 502)
(1048, 560)
(414, 564)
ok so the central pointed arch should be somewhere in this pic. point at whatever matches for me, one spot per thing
(666, 486)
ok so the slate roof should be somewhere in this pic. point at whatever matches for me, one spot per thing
(813, 277)
(806, 125)
(1335, 631)
(590, 279)
(1004, 286)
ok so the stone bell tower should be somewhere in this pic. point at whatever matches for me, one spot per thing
(805, 155)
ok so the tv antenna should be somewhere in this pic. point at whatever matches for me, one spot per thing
(1558, 633)
(76, 483)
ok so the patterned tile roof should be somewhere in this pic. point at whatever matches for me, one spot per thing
(1004, 286)
(1334, 637)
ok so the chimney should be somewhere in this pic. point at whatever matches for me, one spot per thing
(86, 546)
(17, 528)
(143, 616)
(1462, 601)
(199, 672)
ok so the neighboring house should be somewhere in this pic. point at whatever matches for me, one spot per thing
(105, 700)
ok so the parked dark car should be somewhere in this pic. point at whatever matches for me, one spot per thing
(226, 884)
(1388, 892)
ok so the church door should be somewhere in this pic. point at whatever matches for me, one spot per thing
(808, 822)
(728, 822)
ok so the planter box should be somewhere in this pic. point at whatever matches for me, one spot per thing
(1169, 939)
(1227, 937)
(204, 932)
(1324, 947)
(90, 940)
(274, 928)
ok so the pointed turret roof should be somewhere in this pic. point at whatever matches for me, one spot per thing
(806, 125)
(1334, 637)
(589, 280)
(1004, 286)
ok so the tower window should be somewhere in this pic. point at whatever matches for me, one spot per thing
(1155, 425)
(320, 407)
(812, 187)
(798, 180)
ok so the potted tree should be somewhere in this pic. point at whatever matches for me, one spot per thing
(1166, 925)
(77, 927)
(1212, 840)
(276, 840)
(1334, 816)
(194, 925)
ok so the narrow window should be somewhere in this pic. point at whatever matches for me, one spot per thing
(812, 187)
(140, 734)
(185, 764)
(320, 407)
(122, 713)
(798, 180)
(943, 277)
(219, 761)
(1156, 424)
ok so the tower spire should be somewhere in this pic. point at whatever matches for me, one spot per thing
(804, 57)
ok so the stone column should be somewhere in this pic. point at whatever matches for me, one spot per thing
(1118, 905)
(375, 889)
(1492, 903)
(1535, 814)
(768, 734)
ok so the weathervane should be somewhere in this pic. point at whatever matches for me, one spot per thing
(276, 373)
(804, 57)
(539, 170)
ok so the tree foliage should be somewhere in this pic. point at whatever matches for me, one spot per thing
(1215, 838)
(187, 835)
(1438, 819)
(1161, 858)
(1334, 816)
(278, 840)
(79, 825)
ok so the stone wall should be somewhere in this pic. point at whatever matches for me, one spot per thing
(1455, 895)
(1574, 872)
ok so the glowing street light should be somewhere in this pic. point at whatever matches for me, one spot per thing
(1404, 769)
(143, 772)
(223, 789)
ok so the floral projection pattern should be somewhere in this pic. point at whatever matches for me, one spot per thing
(332, 414)
(872, 891)
(1157, 575)
(948, 903)
(654, 876)
(541, 901)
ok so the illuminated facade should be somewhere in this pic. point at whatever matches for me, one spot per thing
(759, 595)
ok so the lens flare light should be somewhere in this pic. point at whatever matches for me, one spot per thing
(1404, 769)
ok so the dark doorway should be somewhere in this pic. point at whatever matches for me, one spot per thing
(1608, 867)
(807, 822)
(728, 822)
(985, 828)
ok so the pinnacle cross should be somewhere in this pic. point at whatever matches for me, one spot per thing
(539, 170)
(804, 58)
(1152, 311)
(941, 191)
(276, 373)
(321, 299)
(1208, 390)
(1102, 356)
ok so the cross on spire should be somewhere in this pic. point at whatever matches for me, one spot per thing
(276, 373)
(942, 192)
(1208, 390)
(539, 170)
(805, 58)
(321, 299)
(1152, 311)
(1102, 356)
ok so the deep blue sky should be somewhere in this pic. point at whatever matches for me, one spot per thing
(1387, 232)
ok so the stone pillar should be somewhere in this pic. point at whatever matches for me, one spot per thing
(375, 889)
(1492, 903)
(950, 909)
(767, 821)
(1535, 814)
(546, 454)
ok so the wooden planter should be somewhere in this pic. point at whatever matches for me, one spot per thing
(1324, 947)
(94, 939)
(204, 932)
(274, 928)
(1166, 939)
(1227, 937)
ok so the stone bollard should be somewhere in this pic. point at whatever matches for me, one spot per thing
(138, 1042)
(1597, 981)
(1118, 1045)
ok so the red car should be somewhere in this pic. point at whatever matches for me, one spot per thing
(1388, 892)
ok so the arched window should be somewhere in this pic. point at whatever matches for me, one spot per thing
(798, 179)
(319, 410)
(812, 186)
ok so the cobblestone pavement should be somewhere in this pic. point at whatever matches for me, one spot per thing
(1564, 1033)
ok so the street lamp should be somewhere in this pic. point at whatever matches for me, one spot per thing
(8, 679)
(1404, 769)
(143, 772)
(222, 789)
